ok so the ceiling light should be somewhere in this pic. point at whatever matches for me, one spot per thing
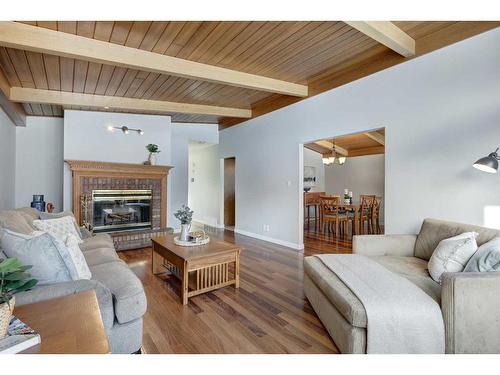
(106, 107)
(489, 163)
(342, 160)
(125, 129)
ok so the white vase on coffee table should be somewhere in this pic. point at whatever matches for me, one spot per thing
(184, 232)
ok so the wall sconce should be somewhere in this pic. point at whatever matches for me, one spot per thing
(125, 129)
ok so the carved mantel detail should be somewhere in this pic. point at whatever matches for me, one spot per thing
(84, 169)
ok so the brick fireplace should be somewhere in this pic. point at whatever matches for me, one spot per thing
(133, 188)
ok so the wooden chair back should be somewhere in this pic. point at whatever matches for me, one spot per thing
(327, 204)
(312, 198)
(366, 204)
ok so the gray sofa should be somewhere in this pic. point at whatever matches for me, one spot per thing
(120, 293)
(470, 301)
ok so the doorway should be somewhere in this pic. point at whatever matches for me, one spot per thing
(229, 193)
(343, 189)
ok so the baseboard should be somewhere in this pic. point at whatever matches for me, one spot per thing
(218, 226)
(270, 239)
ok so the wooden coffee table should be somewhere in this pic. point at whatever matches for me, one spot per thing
(200, 269)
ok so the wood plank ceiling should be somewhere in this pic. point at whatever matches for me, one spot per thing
(321, 55)
(370, 143)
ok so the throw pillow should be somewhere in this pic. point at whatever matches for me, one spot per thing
(486, 258)
(59, 228)
(40, 250)
(80, 264)
(452, 254)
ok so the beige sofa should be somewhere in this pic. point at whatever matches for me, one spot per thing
(470, 302)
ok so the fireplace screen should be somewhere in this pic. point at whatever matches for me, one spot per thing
(119, 210)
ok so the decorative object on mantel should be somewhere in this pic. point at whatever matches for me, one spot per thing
(13, 279)
(153, 150)
(489, 163)
(50, 207)
(125, 129)
(307, 189)
(185, 216)
(197, 238)
(38, 203)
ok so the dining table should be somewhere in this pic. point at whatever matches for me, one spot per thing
(354, 208)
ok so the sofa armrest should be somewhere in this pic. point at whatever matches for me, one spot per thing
(46, 292)
(395, 244)
(471, 311)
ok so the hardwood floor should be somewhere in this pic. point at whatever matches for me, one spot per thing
(267, 314)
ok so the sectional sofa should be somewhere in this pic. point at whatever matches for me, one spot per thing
(470, 301)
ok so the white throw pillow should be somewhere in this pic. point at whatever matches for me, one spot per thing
(59, 228)
(452, 254)
(81, 268)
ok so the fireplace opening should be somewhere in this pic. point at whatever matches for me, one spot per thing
(121, 210)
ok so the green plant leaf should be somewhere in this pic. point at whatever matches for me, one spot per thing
(10, 264)
(28, 285)
(18, 275)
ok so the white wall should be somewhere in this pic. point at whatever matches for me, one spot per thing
(204, 183)
(39, 160)
(86, 138)
(182, 135)
(441, 112)
(314, 159)
(7, 162)
(361, 175)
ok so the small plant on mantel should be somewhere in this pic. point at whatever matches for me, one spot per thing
(153, 150)
(13, 279)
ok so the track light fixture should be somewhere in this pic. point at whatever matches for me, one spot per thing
(125, 129)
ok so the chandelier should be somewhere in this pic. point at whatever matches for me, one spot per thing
(333, 158)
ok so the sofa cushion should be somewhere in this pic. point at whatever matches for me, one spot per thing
(100, 256)
(96, 242)
(434, 231)
(346, 302)
(129, 299)
(413, 269)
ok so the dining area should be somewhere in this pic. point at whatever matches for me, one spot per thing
(343, 189)
(342, 216)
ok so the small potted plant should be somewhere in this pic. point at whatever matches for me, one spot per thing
(13, 279)
(185, 215)
(153, 150)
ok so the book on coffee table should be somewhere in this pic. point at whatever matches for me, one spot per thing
(19, 337)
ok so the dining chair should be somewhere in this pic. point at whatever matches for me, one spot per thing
(330, 213)
(376, 215)
(366, 213)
